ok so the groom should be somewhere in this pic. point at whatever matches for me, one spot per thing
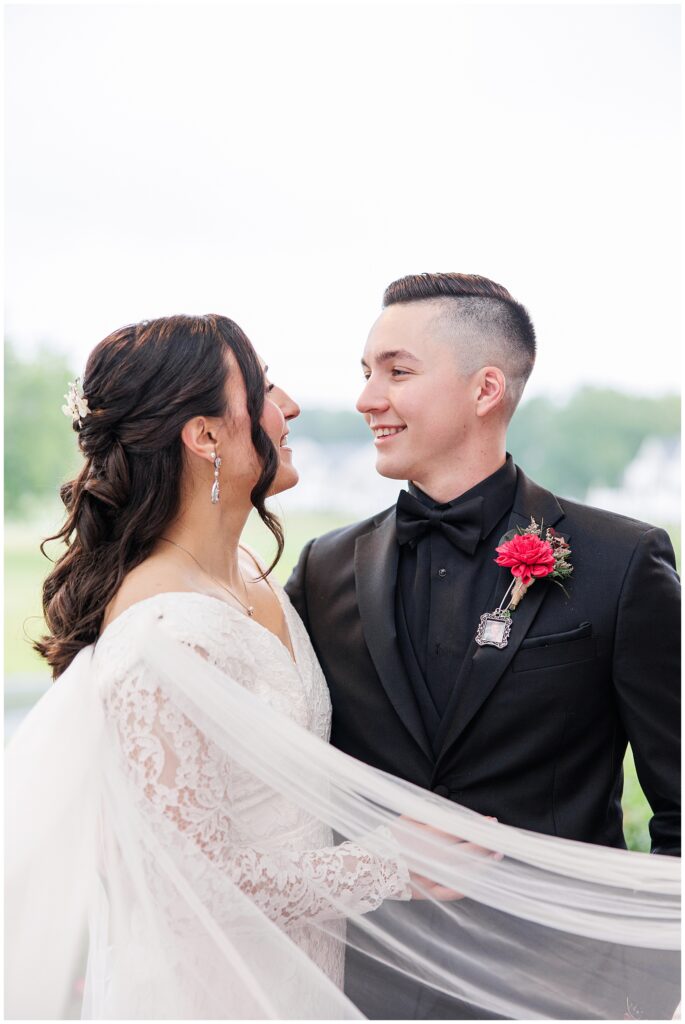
(532, 732)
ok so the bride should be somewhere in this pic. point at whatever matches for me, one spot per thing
(174, 793)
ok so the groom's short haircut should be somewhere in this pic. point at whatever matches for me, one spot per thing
(487, 324)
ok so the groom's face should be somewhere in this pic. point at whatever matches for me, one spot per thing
(420, 408)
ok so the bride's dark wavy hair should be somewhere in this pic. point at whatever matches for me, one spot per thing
(142, 384)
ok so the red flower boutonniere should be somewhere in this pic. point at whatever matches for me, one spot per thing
(530, 558)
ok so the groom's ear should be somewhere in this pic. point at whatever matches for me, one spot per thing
(491, 387)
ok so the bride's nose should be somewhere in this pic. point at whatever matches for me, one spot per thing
(288, 406)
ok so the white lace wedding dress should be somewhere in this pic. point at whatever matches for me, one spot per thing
(189, 787)
(172, 809)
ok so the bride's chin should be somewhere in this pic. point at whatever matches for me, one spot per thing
(286, 478)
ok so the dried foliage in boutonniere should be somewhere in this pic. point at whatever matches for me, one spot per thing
(530, 558)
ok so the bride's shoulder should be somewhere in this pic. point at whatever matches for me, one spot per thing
(158, 594)
(186, 612)
(123, 656)
(150, 579)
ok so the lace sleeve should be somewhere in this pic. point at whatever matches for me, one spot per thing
(185, 784)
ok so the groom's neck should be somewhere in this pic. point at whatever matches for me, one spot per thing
(446, 484)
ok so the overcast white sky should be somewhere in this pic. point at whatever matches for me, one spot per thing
(282, 164)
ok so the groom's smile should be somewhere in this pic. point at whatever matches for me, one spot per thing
(383, 433)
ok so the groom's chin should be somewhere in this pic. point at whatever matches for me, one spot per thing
(391, 472)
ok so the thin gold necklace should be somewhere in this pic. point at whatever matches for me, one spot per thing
(248, 607)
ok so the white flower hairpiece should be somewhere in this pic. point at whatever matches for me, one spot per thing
(77, 404)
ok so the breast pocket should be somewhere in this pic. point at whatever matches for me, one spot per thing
(556, 649)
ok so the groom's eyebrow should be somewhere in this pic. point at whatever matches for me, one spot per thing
(395, 353)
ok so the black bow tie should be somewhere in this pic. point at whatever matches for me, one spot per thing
(461, 524)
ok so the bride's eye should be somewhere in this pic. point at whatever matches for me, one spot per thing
(268, 387)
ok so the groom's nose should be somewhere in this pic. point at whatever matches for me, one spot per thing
(372, 398)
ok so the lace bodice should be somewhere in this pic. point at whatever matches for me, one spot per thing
(191, 788)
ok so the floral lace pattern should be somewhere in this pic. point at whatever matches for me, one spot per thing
(191, 789)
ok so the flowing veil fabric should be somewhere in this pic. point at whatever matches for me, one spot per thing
(547, 928)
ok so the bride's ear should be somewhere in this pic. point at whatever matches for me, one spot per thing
(199, 435)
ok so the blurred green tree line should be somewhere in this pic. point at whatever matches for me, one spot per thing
(40, 446)
(590, 440)
(587, 441)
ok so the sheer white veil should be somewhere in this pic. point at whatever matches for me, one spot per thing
(547, 928)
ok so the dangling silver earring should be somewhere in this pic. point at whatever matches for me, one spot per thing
(215, 485)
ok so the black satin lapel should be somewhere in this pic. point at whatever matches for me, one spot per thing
(375, 567)
(533, 500)
(483, 667)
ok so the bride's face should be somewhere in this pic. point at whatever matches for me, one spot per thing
(230, 437)
(279, 409)
(240, 465)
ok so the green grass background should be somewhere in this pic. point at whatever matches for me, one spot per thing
(26, 567)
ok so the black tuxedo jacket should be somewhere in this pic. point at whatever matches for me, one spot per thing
(535, 733)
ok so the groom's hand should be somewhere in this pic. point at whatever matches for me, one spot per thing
(423, 888)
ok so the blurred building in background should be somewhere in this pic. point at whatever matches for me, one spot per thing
(650, 489)
(341, 477)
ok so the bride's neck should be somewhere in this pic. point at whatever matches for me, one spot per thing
(210, 534)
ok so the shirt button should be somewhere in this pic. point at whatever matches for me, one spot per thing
(441, 790)
(442, 573)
